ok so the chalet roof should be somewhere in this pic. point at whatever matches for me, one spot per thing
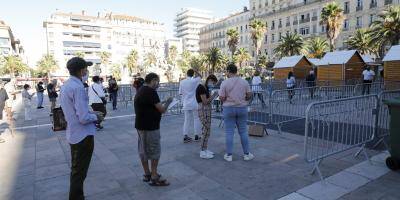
(288, 62)
(393, 54)
(337, 57)
(314, 61)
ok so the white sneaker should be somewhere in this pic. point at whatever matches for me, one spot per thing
(248, 157)
(205, 155)
(210, 152)
(228, 158)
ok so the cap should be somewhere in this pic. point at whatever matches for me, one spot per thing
(77, 63)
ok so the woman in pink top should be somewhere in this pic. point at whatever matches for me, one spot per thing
(235, 93)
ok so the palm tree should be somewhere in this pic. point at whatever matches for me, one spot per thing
(242, 55)
(184, 62)
(131, 61)
(150, 59)
(224, 62)
(332, 16)
(291, 44)
(214, 58)
(105, 58)
(12, 65)
(315, 47)
(80, 54)
(258, 30)
(172, 54)
(386, 29)
(263, 61)
(233, 40)
(47, 64)
(197, 62)
(116, 72)
(361, 40)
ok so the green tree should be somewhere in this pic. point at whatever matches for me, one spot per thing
(172, 55)
(12, 65)
(132, 61)
(242, 55)
(332, 16)
(386, 29)
(116, 72)
(316, 47)
(105, 58)
(150, 59)
(214, 58)
(46, 65)
(361, 40)
(233, 40)
(291, 44)
(263, 61)
(79, 54)
(184, 62)
(223, 63)
(257, 32)
(197, 62)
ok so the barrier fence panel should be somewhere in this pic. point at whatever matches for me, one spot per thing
(383, 119)
(125, 94)
(336, 92)
(335, 126)
(164, 94)
(369, 88)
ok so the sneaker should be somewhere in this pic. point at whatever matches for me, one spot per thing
(197, 138)
(206, 155)
(209, 152)
(248, 157)
(187, 139)
(228, 158)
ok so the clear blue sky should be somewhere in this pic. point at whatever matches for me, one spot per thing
(26, 17)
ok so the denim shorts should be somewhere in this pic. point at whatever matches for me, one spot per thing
(149, 146)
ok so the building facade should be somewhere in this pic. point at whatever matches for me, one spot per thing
(69, 34)
(214, 34)
(8, 44)
(188, 23)
(177, 42)
(303, 17)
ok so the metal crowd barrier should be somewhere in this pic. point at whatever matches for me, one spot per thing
(336, 92)
(335, 126)
(125, 94)
(164, 94)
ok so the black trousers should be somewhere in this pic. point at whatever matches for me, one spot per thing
(366, 86)
(99, 107)
(81, 154)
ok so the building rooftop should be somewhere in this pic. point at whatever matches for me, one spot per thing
(393, 54)
(288, 61)
(337, 57)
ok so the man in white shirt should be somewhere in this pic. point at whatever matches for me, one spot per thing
(368, 77)
(256, 88)
(187, 90)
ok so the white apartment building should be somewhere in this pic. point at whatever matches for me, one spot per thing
(8, 44)
(69, 33)
(214, 35)
(188, 23)
(303, 17)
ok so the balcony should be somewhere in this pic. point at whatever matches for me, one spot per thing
(272, 27)
(287, 24)
(346, 11)
(295, 22)
(280, 26)
(373, 4)
(358, 26)
(315, 18)
(359, 8)
(305, 20)
(388, 2)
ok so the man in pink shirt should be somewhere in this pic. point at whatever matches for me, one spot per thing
(235, 93)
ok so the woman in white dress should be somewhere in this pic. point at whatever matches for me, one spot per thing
(27, 98)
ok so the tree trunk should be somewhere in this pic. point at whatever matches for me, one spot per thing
(331, 45)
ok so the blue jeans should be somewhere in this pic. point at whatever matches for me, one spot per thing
(114, 98)
(236, 116)
(39, 99)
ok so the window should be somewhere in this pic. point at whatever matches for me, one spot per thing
(280, 23)
(371, 18)
(273, 25)
(280, 36)
(4, 41)
(304, 31)
(359, 22)
(51, 34)
(346, 7)
(359, 3)
(273, 38)
(346, 24)
(265, 38)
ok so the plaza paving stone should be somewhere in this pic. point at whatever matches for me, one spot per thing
(35, 165)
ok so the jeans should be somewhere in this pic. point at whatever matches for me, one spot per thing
(236, 116)
(114, 98)
(39, 99)
(81, 154)
(191, 124)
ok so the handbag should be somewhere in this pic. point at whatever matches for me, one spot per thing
(103, 99)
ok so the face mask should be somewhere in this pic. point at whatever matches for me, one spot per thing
(210, 85)
(85, 78)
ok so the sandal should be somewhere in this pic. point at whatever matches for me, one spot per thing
(147, 177)
(158, 182)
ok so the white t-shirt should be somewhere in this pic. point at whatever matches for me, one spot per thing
(368, 75)
(255, 82)
(187, 89)
(290, 82)
(93, 97)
